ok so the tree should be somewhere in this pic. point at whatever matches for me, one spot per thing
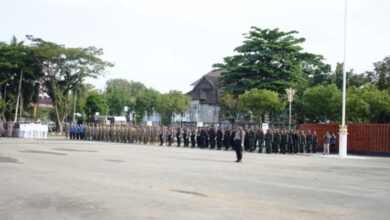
(132, 88)
(381, 74)
(322, 102)
(117, 98)
(358, 110)
(19, 76)
(120, 93)
(64, 69)
(353, 79)
(146, 102)
(379, 101)
(171, 103)
(95, 102)
(268, 59)
(260, 102)
(229, 110)
(368, 104)
(320, 76)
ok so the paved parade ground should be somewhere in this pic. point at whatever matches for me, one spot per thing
(62, 179)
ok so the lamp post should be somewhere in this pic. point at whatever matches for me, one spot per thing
(74, 107)
(290, 96)
(343, 132)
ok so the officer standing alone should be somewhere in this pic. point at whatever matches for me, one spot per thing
(239, 137)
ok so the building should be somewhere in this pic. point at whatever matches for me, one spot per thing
(204, 99)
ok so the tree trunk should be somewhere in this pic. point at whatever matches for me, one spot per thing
(21, 108)
(18, 97)
(58, 118)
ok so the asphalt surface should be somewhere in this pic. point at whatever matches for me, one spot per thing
(62, 179)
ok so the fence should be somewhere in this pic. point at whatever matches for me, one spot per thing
(362, 138)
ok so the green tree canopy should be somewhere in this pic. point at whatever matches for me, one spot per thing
(146, 102)
(260, 102)
(64, 69)
(120, 93)
(269, 59)
(132, 88)
(17, 63)
(229, 111)
(368, 104)
(322, 103)
(381, 74)
(358, 110)
(95, 102)
(353, 79)
(173, 102)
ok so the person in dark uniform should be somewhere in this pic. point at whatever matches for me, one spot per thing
(290, 142)
(260, 139)
(5, 128)
(315, 142)
(16, 129)
(161, 135)
(295, 141)
(283, 141)
(226, 139)
(199, 142)
(205, 138)
(238, 142)
(252, 139)
(212, 137)
(309, 141)
(232, 134)
(268, 137)
(192, 137)
(246, 140)
(170, 134)
(185, 137)
(219, 138)
(333, 140)
(302, 143)
(276, 141)
(178, 136)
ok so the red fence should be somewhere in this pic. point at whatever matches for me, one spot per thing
(362, 138)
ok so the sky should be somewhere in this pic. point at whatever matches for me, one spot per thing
(169, 44)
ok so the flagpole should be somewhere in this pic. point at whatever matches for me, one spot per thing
(343, 132)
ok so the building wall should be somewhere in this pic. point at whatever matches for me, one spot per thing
(202, 112)
(362, 138)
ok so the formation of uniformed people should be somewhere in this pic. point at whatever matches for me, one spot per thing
(9, 129)
(23, 129)
(253, 140)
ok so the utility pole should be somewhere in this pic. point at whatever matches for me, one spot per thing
(74, 107)
(18, 97)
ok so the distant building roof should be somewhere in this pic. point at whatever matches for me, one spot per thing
(43, 102)
(211, 76)
(205, 89)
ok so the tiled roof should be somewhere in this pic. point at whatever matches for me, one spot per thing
(205, 89)
(212, 76)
